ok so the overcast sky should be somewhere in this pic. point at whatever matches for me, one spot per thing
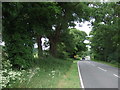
(84, 26)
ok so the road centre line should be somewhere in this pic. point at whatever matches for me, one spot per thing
(116, 75)
(102, 69)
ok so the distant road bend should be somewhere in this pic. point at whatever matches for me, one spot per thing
(97, 75)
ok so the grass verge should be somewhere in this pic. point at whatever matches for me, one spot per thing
(50, 73)
(71, 78)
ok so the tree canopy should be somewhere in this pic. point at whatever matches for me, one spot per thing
(105, 33)
(25, 24)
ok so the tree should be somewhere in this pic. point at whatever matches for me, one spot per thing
(17, 35)
(72, 43)
(70, 12)
(106, 33)
(79, 38)
(42, 21)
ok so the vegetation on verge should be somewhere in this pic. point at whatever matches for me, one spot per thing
(49, 75)
(71, 78)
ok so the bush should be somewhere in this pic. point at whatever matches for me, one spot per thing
(113, 57)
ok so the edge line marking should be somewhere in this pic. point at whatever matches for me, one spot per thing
(81, 81)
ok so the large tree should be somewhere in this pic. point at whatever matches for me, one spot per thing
(42, 15)
(70, 12)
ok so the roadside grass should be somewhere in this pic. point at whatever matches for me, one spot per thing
(71, 78)
(49, 73)
(108, 63)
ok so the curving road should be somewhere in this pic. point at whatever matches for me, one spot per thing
(97, 75)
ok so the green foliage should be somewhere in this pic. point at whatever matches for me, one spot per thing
(72, 43)
(17, 35)
(70, 12)
(78, 40)
(104, 42)
(26, 23)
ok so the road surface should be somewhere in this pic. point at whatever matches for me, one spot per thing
(97, 75)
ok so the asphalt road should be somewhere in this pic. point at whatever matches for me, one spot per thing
(97, 75)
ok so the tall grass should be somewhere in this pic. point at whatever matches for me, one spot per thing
(44, 73)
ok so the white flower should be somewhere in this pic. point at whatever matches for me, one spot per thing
(53, 71)
(37, 68)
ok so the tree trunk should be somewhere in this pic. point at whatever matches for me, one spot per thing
(39, 43)
(54, 41)
(53, 47)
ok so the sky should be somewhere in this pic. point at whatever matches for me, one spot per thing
(83, 26)
(86, 27)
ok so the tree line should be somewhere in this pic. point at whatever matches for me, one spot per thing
(24, 24)
(105, 43)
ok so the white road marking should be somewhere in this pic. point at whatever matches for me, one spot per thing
(102, 69)
(81, 81)
(116, 75)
